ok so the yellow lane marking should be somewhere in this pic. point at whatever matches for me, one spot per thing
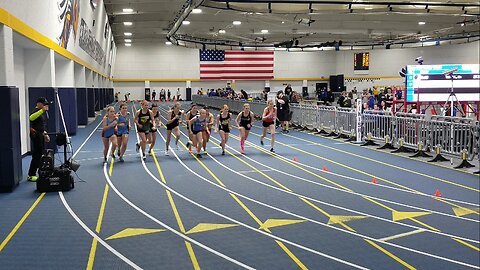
(341, 219)
(366, 198)
(128, 232)
(467, 244)
(20, 223)
(337, 219)
(291, 255)
(462, 211)
(400, 235)
(93, 249)
(205, 227)
(188, 245)
(380, 162)
(272, 223)
(402, 262)
(293, 164)
(397, 215)
(254, 217)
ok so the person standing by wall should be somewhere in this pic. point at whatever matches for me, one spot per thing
(178, 94)
(168, 95)
(154, 95)
(38, 135)
(283, 110)
(288, 91)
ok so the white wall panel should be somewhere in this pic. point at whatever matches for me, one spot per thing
(136, 90)
(19, 71)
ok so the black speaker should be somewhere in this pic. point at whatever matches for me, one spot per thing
(333, 83)
(340, 82)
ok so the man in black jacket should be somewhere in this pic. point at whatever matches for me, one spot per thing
(38, 135)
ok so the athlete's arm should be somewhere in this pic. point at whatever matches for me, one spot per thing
(236, 119)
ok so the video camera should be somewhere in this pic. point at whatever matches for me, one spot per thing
(53, 178)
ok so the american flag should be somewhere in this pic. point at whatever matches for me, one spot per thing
(236, 65)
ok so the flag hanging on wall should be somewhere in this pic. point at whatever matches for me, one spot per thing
(236, 65)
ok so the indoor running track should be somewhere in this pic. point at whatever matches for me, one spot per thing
(312, 205)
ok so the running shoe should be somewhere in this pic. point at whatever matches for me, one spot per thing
(271, 150)
(223, 153)
(199, 155)
(104, 160)
(261, 142)
(166, 152)
(32, 178)
(188, 144)
(150, 152)
(144, 157)
(137, 147)
(121, 159)
(204, 152)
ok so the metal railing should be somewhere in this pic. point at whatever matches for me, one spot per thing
(452, 134)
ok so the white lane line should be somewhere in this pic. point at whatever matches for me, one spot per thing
(85, 227)
(380, 185)
(368, 182)
(252, 171)
(305, 218)
(94, 235)
(185, 237)
(401, 235)
(351, 192)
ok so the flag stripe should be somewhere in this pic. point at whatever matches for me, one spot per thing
(236, 65)
(236, 71)
(248, 53)
(249, 59)
(260, 78)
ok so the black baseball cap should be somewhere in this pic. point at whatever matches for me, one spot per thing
(43, 100)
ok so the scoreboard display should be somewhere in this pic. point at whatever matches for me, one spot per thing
(435, 82)
(361, 61)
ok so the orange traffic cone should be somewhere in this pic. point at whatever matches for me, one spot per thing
(295, 158)
(374, 181)
(437, 193)
(325, 168)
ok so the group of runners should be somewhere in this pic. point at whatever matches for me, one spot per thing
(200, 125)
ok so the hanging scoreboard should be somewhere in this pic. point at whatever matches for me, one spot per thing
(361, 61)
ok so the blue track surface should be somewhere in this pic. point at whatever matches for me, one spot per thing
(276, 213)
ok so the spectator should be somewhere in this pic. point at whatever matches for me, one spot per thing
(178, 94)
(244, 94)
(347, 103)
(288, 91)
(330, 98)
(199, 92)
(283, 110)
(168, 94)
(154, 95)
(389, 98)
(381, 96)
(341, 99)
(371, 101)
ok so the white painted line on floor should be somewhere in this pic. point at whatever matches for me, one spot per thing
(401, 235)
(94, 235)
(252, 171)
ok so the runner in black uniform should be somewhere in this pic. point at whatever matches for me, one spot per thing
(174, 116)
(153, 128)
(190, 114)
(246, 118)
(143, 119)
(223, 126)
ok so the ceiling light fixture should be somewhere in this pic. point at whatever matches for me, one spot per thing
(237, 22)
(127, 10)
(264, 31)
(127, 34)
(283, 22)
(421, 23)
(127, 23)
(186, 22)
(128, 44)
(196, 11)
(168, 43)
(128, 40)
(221, 31)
